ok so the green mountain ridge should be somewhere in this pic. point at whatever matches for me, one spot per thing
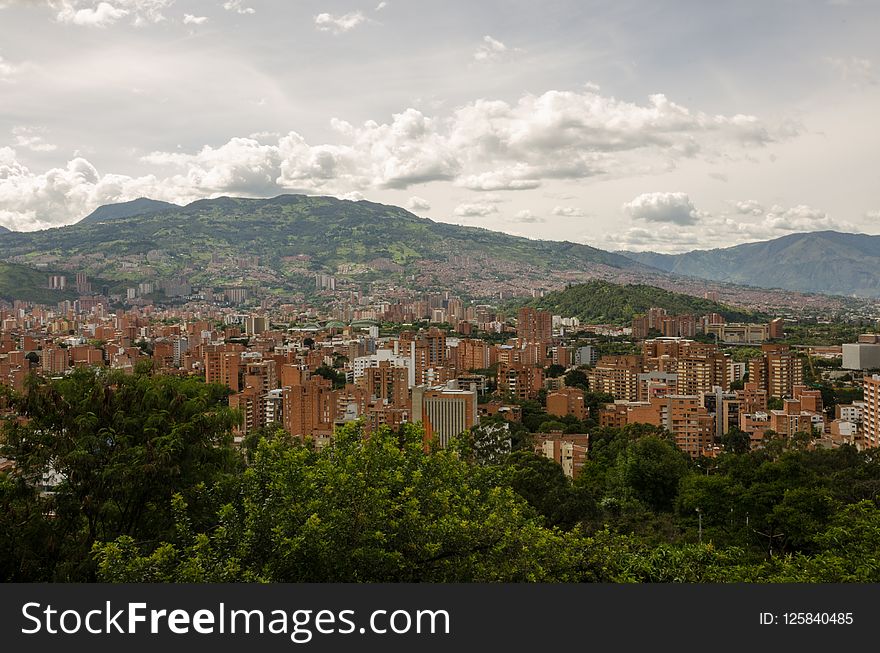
(321, 233)
(140, 206)
(608, 303)
(828, 262)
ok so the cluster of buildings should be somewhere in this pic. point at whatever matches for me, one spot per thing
(656, 320)
(312, 378)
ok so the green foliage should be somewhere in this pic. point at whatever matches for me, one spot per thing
(111, 449)
(378, 509)
(604, 302)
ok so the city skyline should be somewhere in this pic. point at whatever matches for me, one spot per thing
(620, 126)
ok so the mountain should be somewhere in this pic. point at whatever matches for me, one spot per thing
(601, 302)
(4, 230)
(140, 206)
(280, 243)
(827, 262)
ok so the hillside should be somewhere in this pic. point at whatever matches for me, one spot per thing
(825, 261)
(140, 206)
(608, 303)
(27, 284)
(4, 230)
(216, 241)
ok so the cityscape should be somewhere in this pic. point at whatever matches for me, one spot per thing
(348, 292)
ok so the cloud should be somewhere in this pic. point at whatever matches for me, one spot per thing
(856, 71)
(746, 221)
(7, 70)
(381, 6)
(674, 208)
(62, 195)
(189, 19)
(515, 177)
(418, 204)
(873, 215)
(31, 139)
(749, 207)
(92, 13)
(527, 217)
(238, 8)
(475, 209)
(339, 24)
(488, 146)
(568, 212)
(798, 218)
(491, 50)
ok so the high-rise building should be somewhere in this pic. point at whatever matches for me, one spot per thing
(445, 412)
(871, 411)
(534, 326)
(778, 371)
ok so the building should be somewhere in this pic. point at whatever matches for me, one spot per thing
(862, 355)
(617, 376)
(569, 450)
(586, 355)
(739, 333)
(871, 411)
(534, 326)
(778, 371)
(445, 412)
(567, 401)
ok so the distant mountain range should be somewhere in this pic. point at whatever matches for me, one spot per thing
(280, 243)
(4, 230)
(827, 262)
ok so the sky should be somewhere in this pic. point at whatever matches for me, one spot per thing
(658, 125)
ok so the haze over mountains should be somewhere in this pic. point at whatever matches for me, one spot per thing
(827, 262)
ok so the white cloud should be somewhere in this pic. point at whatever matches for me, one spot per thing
(381, 6)
(748, 221)
(62, 195)
(416, 203)
(338, 24)
(568, 212)
(873, 215)
(674, 208)
(527, 217)
(798, 218)
(749, 207)
(237, 7)
(31, 139)
(189, 19)
(855, 70)
(491, 50)
(475, 209)
(488, 146)
(7, 70)
(92, 13)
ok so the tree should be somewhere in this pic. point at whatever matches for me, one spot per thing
(555, 371)
(577, 379)
(652, 468)
(736, 441)
(111, 450)
(377, 509)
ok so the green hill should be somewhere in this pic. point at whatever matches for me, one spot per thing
(608, 303)
(296, 235)
(27, 284)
